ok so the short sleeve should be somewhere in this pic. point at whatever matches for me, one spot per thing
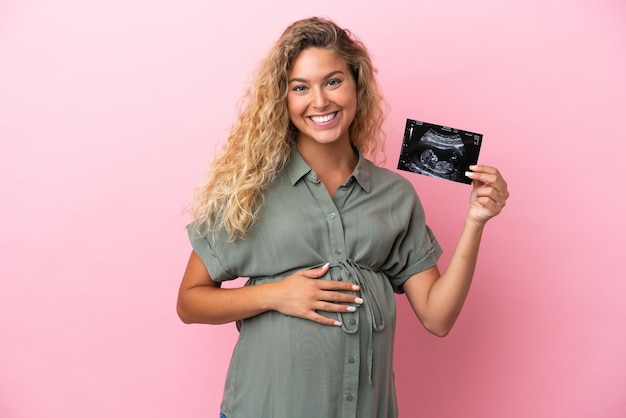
(414, 251)
(208, 253)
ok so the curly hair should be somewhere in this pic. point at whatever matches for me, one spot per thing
(262, 139)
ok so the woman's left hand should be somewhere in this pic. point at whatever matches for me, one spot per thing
(489, 193)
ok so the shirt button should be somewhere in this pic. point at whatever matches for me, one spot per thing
(349, 397)
(333, 215)
(352, 321)
(338, 251)
(351, 359)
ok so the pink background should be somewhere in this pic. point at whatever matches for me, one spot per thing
(110, 112)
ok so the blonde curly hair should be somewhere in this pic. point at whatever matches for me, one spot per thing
(262, 139)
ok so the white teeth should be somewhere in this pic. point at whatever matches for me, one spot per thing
(323, 119)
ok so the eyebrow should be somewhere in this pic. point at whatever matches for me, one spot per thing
(326, 77)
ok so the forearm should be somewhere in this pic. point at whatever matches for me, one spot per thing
(201, 300)
(448, 293)
(215, 305)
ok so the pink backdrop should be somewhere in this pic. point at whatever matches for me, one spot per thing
(110, 112)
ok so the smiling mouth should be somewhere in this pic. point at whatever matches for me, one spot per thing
(324, 119)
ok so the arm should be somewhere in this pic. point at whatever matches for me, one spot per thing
(202, 300)
(437, 298)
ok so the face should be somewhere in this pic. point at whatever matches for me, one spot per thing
(322, 97)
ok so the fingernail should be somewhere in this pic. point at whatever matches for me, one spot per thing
(351, 309)
(358, 301)
(472, 167)
(325, 265)
(469, 174)
(356, 287)
(337, 324)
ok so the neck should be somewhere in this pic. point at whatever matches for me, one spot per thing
(332, 163)
(329, 159)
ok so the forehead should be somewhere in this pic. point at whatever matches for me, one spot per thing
(317, 62)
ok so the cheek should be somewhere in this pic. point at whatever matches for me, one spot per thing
(349, 99)
(293, 107)
(351, 108)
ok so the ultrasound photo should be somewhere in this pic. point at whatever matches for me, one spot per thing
(438, 151)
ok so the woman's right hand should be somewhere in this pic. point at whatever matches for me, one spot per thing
(302, 295)
(202, 300)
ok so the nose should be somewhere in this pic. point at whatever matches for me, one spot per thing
(319, 98)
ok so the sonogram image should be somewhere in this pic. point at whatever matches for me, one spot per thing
(438, 151)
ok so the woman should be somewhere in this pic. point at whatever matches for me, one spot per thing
(325, 236)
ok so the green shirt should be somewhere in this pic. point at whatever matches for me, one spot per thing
(373, 233)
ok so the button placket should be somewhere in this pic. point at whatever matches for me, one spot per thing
(337, 255)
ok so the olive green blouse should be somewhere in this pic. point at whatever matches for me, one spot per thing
(373, 233)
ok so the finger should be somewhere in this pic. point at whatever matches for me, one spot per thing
(481, 168)
(487, 174)
(482, 177)
(491, 207)
(337, 285)
(497, 191)
(335, 307)
(321, 319)
(329, 284)
(317, 272)
(339, 297)
(488, 195)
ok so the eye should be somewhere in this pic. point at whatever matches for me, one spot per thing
(334, 82)
(299, 89)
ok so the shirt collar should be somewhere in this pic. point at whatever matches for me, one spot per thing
(297, 168)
